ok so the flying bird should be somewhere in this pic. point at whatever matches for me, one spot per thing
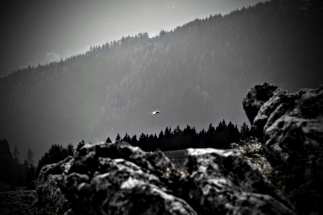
(155, 112)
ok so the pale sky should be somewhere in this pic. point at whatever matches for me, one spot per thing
(41, 31)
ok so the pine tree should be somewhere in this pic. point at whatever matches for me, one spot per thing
(134, 140)
(16, 154)
(70, 149)
(118, 138)
(30, 156)
(211, 130)
(244, 131)
(142, 141)
(126, 138)
(233, 133)
(80, 145)
(210, 135)
(177, 130)
(6, 162)
(31, 175)
(25, 167)
(161, 135)
(168, 132)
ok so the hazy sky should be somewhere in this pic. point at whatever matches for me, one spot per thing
(41, 31)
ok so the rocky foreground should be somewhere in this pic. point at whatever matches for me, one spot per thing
(283, 174)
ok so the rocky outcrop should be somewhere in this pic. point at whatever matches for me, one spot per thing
(291, 128)
(255, 98)
(50, 197)
(224, 182)
(291, 123)
(117, 178)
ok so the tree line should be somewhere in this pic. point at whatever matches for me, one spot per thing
(13, 172)
(220, 137)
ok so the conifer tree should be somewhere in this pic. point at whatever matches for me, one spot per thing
(80, 145)
(161, 135)
(16, 154)
(244, 131)
(118, 138)
(70, 149)
(30, 156)
(126, 138)
(134, 140)
(167, 132)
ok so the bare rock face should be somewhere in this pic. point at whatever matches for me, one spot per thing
(50, 197)
(291, 127)
(117, 178)
(224, 182)
(291, 123)
(255, 98)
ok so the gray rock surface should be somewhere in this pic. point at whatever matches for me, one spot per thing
(224, 182)
(291, 127)
(291, 123)
(117, 178)
(255, 98)
(49, 194)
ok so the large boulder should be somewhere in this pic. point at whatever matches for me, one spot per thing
(291, 124)
(50, 197)
(291, 128)
(117, 178)
(224, 182)
(256, 97)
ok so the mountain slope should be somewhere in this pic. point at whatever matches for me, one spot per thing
(195, 74)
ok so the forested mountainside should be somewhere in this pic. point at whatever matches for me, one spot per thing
(195, 74)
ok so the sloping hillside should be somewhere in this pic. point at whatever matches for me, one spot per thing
(195, 74)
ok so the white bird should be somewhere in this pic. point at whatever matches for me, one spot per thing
(155, 112)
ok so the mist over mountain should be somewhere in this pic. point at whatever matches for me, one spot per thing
(196, 74)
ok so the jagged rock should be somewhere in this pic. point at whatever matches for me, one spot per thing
(49, 194)
(224, 182)
(117, 178)
(291, 125)
(255, 98)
